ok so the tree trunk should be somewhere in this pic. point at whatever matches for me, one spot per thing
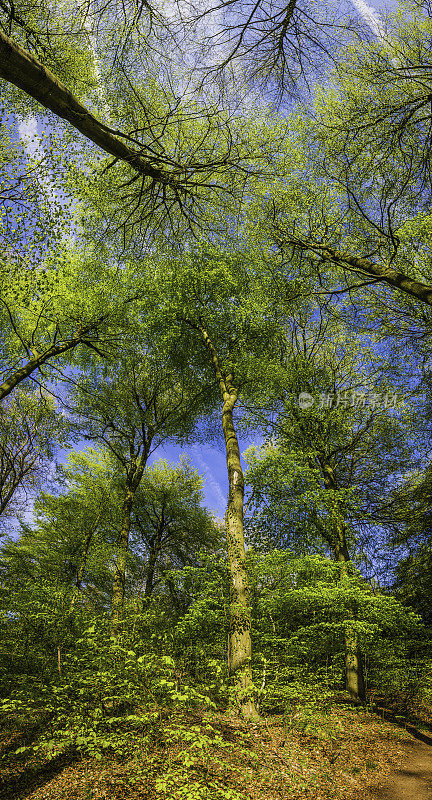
(118, 591)
(155, 544)
(354, 678)
(239, 640)
(133, 480)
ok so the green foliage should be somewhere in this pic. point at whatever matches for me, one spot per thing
(199, 635)
(302, 609)
(170, 524)
(195, 745)
(31, 432)
(105, 688)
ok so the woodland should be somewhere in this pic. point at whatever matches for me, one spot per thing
(216, 227)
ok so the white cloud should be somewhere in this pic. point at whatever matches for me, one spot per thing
(372, 18)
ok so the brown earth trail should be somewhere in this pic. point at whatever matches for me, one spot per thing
(413, 780)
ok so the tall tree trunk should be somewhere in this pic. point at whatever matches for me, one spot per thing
(155, 544)
(354, 677)
(34, 364)
(133, 480)
(240, 642)
(118, 590)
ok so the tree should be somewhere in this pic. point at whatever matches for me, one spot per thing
(172, 148)
(170, 521)
(56, 573)
(228, 320)
(142, 401)
(330, 218)
(302, 608)
(30, 433)
(57, 304)
(330, 461)
(378, 115)
(334, 219)
(73, 532)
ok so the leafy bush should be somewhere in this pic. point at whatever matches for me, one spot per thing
(106, 685)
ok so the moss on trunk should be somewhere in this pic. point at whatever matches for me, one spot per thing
(239, 639)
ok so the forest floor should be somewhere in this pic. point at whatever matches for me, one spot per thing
(346, 754)
(413, 779)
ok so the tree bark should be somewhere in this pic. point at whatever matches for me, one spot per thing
(354, 678)
(239, 640)
(383, 273)
(118, 590)
(155, 544)
(133, 480)
(27, 73)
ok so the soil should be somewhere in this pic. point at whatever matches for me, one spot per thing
(413, 780)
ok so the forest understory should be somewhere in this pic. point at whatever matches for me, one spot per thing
(348, 756)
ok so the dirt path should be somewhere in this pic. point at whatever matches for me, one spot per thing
(413, 781)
